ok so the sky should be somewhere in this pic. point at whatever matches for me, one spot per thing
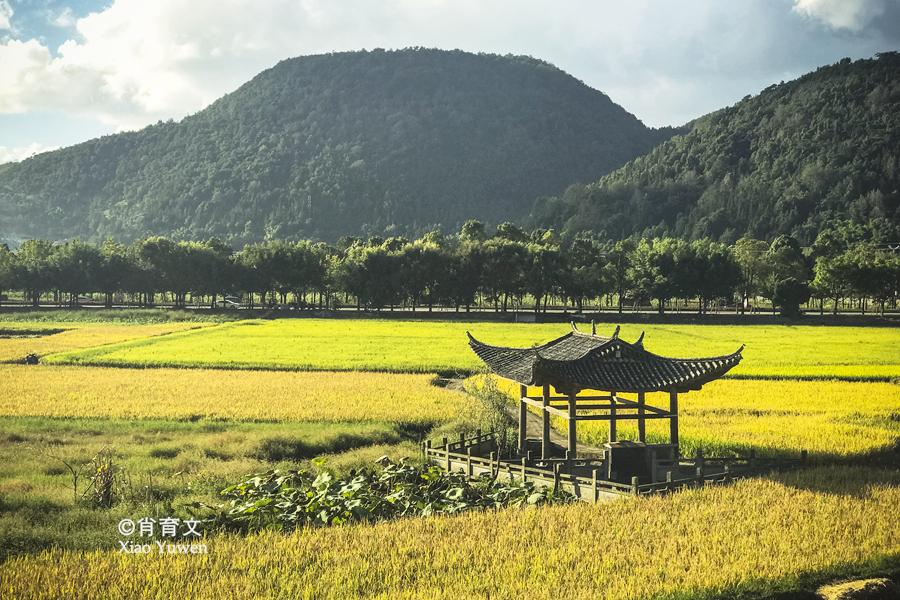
(75, 70)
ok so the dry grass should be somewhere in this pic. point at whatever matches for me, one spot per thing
(59, 391)
(761, 535)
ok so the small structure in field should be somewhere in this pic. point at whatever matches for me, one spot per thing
(587, 377)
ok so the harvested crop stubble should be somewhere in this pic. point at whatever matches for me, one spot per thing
(760, 535)
(58, 391)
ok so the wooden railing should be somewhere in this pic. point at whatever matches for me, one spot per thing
(478, 455)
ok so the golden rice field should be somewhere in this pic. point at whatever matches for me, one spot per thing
(772, 351)
(348, 389)
(64, 391)
(757, 536)
(835, 418)
(75, 336)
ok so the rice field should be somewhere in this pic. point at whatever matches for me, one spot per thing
(782, 417)
(756, 537)
(865, 353)
(224, 400)
(191, 394)
(20, 338)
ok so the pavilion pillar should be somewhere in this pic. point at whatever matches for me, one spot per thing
(573, 440)
(673, 418)
(523, 419)
(545, 423)
(642, 422)
(612, 417)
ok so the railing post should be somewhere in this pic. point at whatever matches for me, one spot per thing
(668, 476)
(595, 483)
(469, 462)
(556, 467)
(635, 484)
(492, 466)
(446, 444)
(524, 474)
(509, 474)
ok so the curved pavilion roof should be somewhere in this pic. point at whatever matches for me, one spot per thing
(578, 361)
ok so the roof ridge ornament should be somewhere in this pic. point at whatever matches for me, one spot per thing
(593, 327)
(640, 341)
(615, 334)
(574, 327)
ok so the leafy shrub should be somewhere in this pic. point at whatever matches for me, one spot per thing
(292, 499)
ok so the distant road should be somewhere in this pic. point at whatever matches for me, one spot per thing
(557, 315)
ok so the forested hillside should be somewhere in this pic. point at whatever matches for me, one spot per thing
(800, 155)
(322, 146)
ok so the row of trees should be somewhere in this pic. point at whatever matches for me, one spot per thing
(508, 267)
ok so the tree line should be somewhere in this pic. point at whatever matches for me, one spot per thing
(507, 268)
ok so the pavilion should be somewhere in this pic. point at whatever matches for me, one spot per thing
(611, 367)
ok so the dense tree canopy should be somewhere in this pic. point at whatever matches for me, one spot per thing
(371, 143)
(789, 161)
(508, 268)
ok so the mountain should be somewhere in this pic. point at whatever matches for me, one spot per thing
(345, 143)
(799, 156)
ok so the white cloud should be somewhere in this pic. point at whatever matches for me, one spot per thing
(6, 13)
(853, 15)
(64, 19)
(137, 61)
(22, 152)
